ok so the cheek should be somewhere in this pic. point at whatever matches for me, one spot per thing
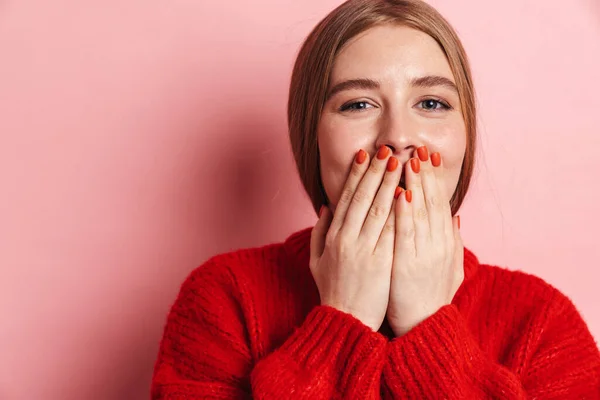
(338, 144)
(449, 139)
(450, 142)
(333, 170)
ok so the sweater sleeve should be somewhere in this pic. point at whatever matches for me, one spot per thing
(440, 358)
(206, 353)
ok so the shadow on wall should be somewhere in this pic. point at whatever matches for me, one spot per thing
(248, 184)
(595, 9)
(228, 199)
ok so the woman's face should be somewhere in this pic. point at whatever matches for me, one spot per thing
(390, 85)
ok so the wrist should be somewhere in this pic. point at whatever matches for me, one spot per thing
(401, 327)
(373, 323)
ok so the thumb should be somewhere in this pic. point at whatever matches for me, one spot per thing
(319, 233)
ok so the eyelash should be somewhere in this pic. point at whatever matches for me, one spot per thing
(445, 106)
(346, 107)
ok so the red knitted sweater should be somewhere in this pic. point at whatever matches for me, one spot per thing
(248, 324)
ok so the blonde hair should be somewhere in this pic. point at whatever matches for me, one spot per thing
(310, 80)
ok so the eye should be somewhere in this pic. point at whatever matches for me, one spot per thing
(355, 106)
(433, 105)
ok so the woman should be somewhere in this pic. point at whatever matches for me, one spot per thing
(379, 299)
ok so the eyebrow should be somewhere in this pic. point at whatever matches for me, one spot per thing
(363, 83)
(432, 81)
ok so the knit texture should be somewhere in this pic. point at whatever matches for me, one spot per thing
(248, 325)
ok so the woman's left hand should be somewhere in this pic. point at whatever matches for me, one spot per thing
(428, 256)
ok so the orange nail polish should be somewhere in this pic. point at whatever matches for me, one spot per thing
(392, 164)
(398, 192)
(423, 153)
(383, 152)
(361, 156)
(408, 195)
(436, 159)
(415, 165)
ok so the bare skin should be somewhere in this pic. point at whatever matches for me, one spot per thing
(371, 255)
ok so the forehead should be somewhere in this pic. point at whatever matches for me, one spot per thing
(390, 52)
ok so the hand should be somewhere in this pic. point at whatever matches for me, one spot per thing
(351, 252)
(428, 259)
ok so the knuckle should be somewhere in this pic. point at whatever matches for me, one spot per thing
(390, 226)
(356, 171)
(330, 241)
(390, 180)
(375, 167)
(347, 195)
(421, 214)
(342, 245)
(428, 172)
(434, 202)
(360, 196)
(377, 211)
(408, 233)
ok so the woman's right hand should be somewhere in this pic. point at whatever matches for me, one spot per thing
(351, 254)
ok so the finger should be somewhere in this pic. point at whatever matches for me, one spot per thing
(459, 250)
(378, 214)
(385, 242)
(364, 195)
(404, 246)
(319, 233)
(360, 164)
(433, 198)
(420, 212)
(438, 168)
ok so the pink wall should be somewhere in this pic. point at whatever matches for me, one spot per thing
(141, 137)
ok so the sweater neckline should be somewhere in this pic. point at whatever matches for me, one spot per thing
(297, 249)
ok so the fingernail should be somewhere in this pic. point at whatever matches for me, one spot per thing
(415, 165)
(321, 211)
(383, 152)
(398, 192)
(408, 195)
(458, 220)
(361, 156)
(436, 159)
(423, 153)
(392, 164)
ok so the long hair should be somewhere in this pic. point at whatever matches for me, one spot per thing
(312, 70)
